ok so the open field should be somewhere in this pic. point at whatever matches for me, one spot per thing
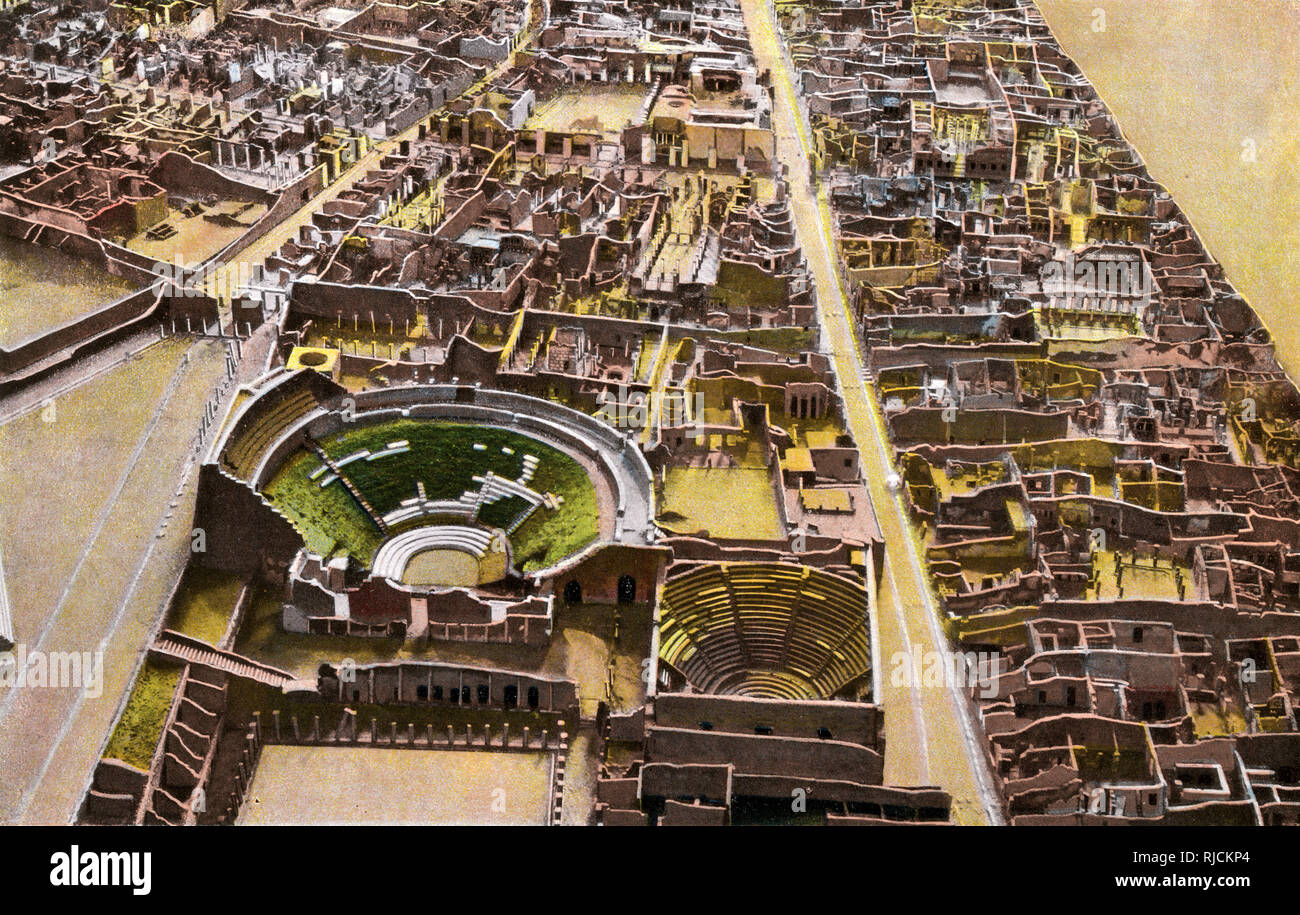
(205, 604)
(728, 502)
(363, 786)
(197, 238)
(605, 109)
(59, 468)
(41, 288)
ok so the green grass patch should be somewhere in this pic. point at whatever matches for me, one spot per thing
(549, 536)
(205, 603)
(442, 456)
(329, 519)
(503, 512)
(138, 730)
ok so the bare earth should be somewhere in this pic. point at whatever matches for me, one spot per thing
(298, 786)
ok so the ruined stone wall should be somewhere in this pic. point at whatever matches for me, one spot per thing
(243, 532)
(131, 307)
(418, 682)
(182, 175)
(850, 722)
(599, 574)
(755, 754)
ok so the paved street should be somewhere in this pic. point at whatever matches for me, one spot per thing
(931, 738)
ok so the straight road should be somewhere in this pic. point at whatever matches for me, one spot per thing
(931, 735)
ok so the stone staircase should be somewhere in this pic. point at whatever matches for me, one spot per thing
(184, 648)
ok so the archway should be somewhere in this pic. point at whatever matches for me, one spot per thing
(573, 592)
(626, 589)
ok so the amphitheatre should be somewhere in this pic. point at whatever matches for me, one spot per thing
(566, 413)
